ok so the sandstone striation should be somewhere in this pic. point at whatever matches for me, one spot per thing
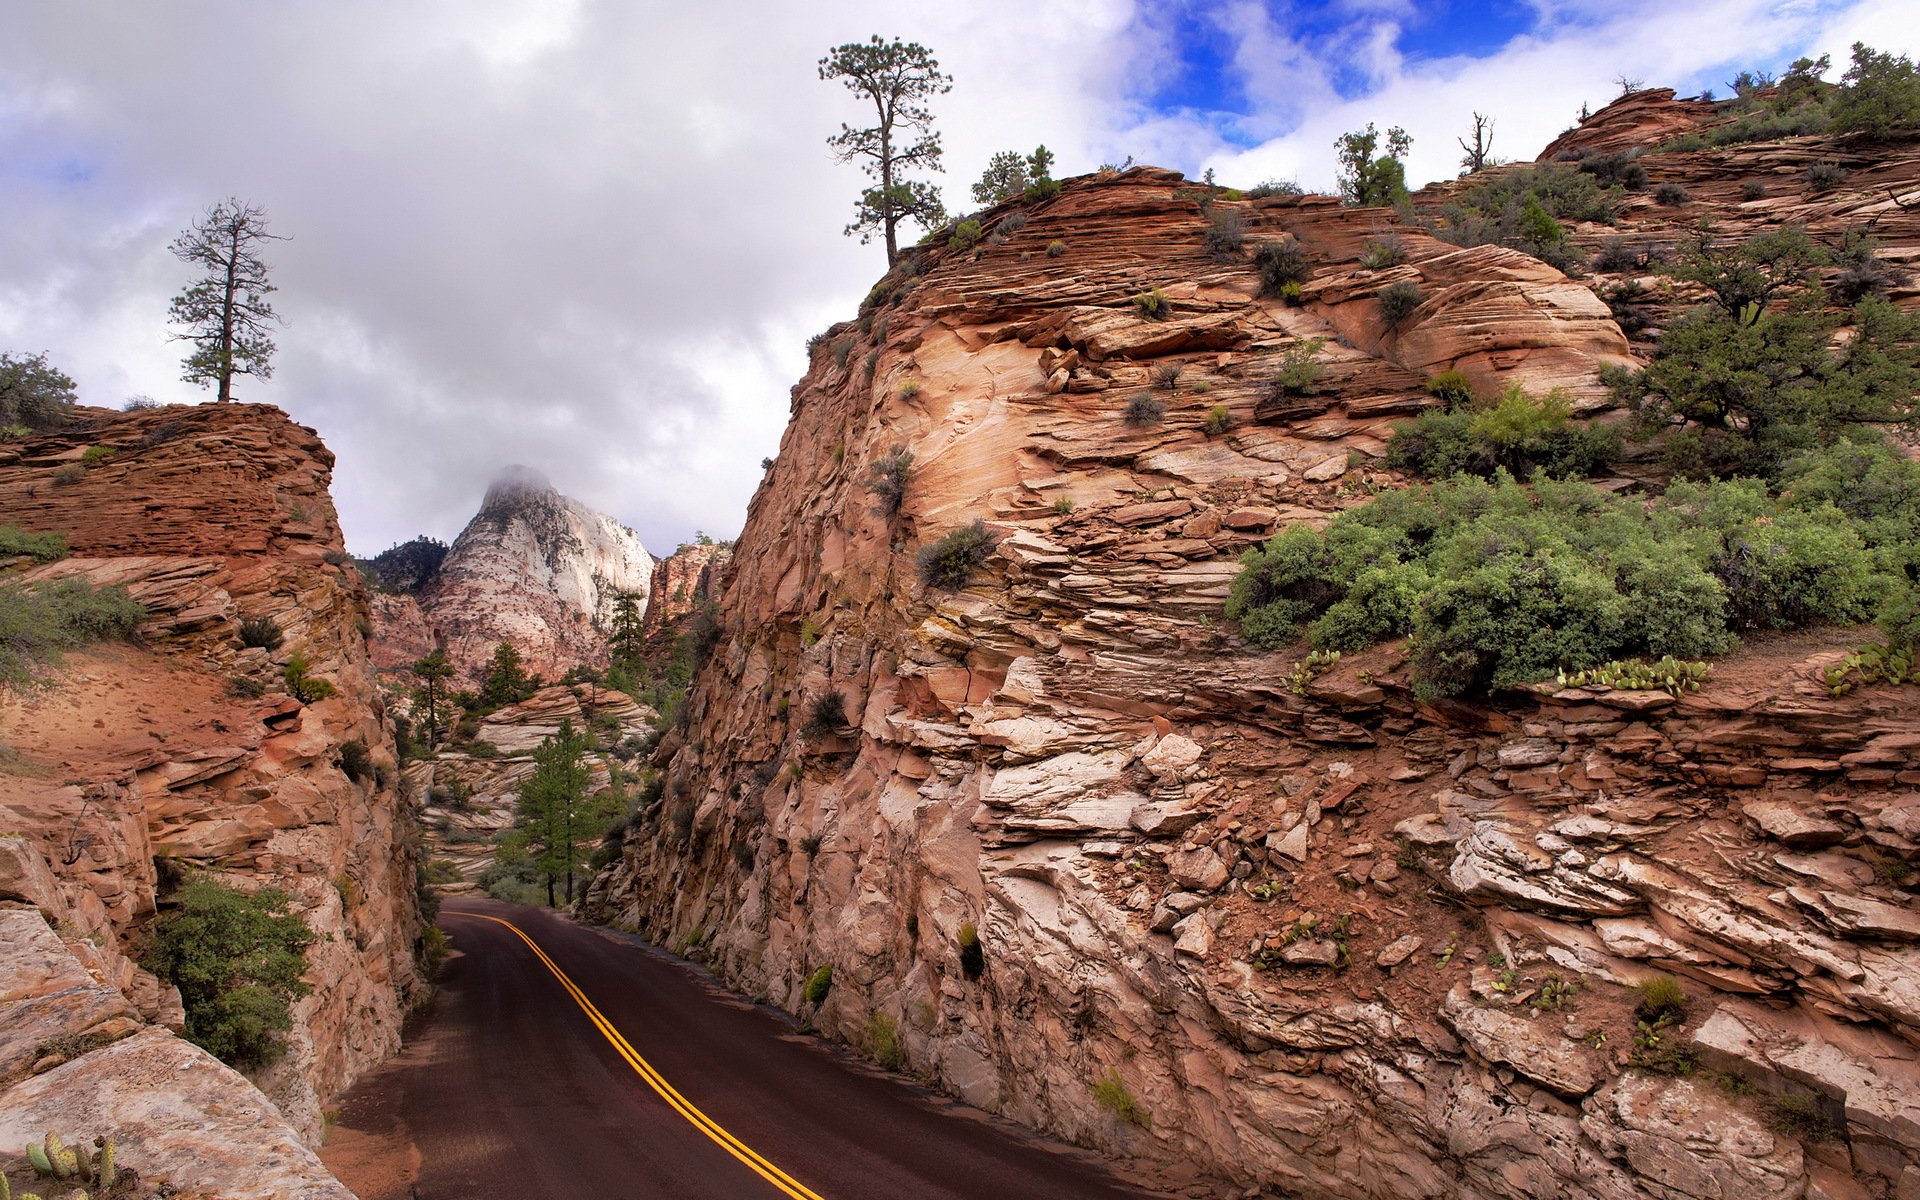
(1331, 940)
(534, 569)
(185, 752)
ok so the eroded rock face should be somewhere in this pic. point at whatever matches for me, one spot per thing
(1335, 941)
(187, 748)
(534, 569)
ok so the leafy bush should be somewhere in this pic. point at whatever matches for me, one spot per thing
(965, 235)
(1452, 388)
(1670, 194)
(951, 561)
(1752, 190)
(237, 960)
(1383, 253)
(68, 474)
(1300, 368)
(40, 547)
(887, 480)
(1879, 95)
(1398, 301)
(1518, 433)
(1226, 235)
(1524, 208)
(818, 985)
(39, 621)
(301, 686)
(827, 715)
(33, 394)
(1153, 305)
(260, 633)
(1145, 409)
(973, 956)
(1281, 263)
(1275, 187)
(1111, 1093)
(1619, 169)
(1825, 176)
(1219, 420)
(355, 763)
(1501, 584)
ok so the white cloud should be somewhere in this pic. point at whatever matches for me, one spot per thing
(593, 236)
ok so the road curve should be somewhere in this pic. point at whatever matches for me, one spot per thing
(512, 1090)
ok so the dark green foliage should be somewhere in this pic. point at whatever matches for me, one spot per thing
(305, 688)
(39, 621)
(1670, 194)
(355, 763)
(1501, 584)
(237, 960)
(827, 715)
(965, 235)
(1452, 388)
(1010, 174)
(1879, 95)
(260, 633)
(887, 480)
(1382, 253)
(1616, 170)
(1863, 272)
(1518, 434)
(225, 315)
(1145, 410)
(1371, 174)
(506, 681)
(1300, 369)
(1398, 301)
(1824, 177)
(406, 567)
(33, 394)
(556, 821)
(973, 956)
(1524, 208)
(1281, 263)
(897, 78)
(819, 984)
(1661, 996)
(40, 547)
(1153, 305)
(1744, 276)
(951, 561)
(1753, 189)
(1753, 394)
(1275, 187)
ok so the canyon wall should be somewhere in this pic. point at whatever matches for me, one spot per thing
(1114, 875)
(183, 752)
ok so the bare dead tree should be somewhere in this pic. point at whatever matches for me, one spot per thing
(1479, 154)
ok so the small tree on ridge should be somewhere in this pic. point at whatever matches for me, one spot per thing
(225, 313)
(898, 77)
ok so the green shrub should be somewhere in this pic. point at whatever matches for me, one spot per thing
(1524, 208)
(302, 686)
(1281, 263)
(95, 455)
(887, 480)
(40, 547)
(68, 474)
(1397, 301)
(883, 1042)
(827, 715)
(1153, 305)
(1219, 420)
(1619, 169)
(1226, 235)
(973, 956)
(1670, 194)
(39, 621)
(818, 985)
(950, 562)
(1500, 584)
(237, 960)
(1381, 254)
(1300, 369)
(1518, 433)
(965, 235)
(1111, 1093)
(1452, 388)
(355, 762)
(33, 395)
(1823, 177)
(1661, 996)
(1144, 410)
(260, 633)
(1671, 675)
(1879, 95)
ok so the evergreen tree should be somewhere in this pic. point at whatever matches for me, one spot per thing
(225, 313)
(1368, 177)
(505, 682)
(898, 77)
(552, 816)
(625, 635)
(433, 671)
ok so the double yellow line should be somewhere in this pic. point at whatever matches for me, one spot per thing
(680, 1104)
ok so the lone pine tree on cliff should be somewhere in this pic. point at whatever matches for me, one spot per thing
(898, 77)
(225, 313)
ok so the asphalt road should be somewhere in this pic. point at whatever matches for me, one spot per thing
(511, 1089)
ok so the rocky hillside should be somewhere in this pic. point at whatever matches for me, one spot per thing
(1109, 871)
(534, 569)
(185, 752)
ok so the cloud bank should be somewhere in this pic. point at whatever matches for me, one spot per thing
(593, 236)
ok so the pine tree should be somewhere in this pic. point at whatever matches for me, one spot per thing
(898, 77)
(625, 634)
(225, 313)
(433, 671)
(505, 681)
(551, 808)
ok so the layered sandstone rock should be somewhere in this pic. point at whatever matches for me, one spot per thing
(186, 749)
(1334, 941)
(534, 569)
(683, 581)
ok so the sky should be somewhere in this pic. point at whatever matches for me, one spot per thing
(592, 237)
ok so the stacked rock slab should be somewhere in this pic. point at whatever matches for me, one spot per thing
(1329, 940)
(185, 751)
